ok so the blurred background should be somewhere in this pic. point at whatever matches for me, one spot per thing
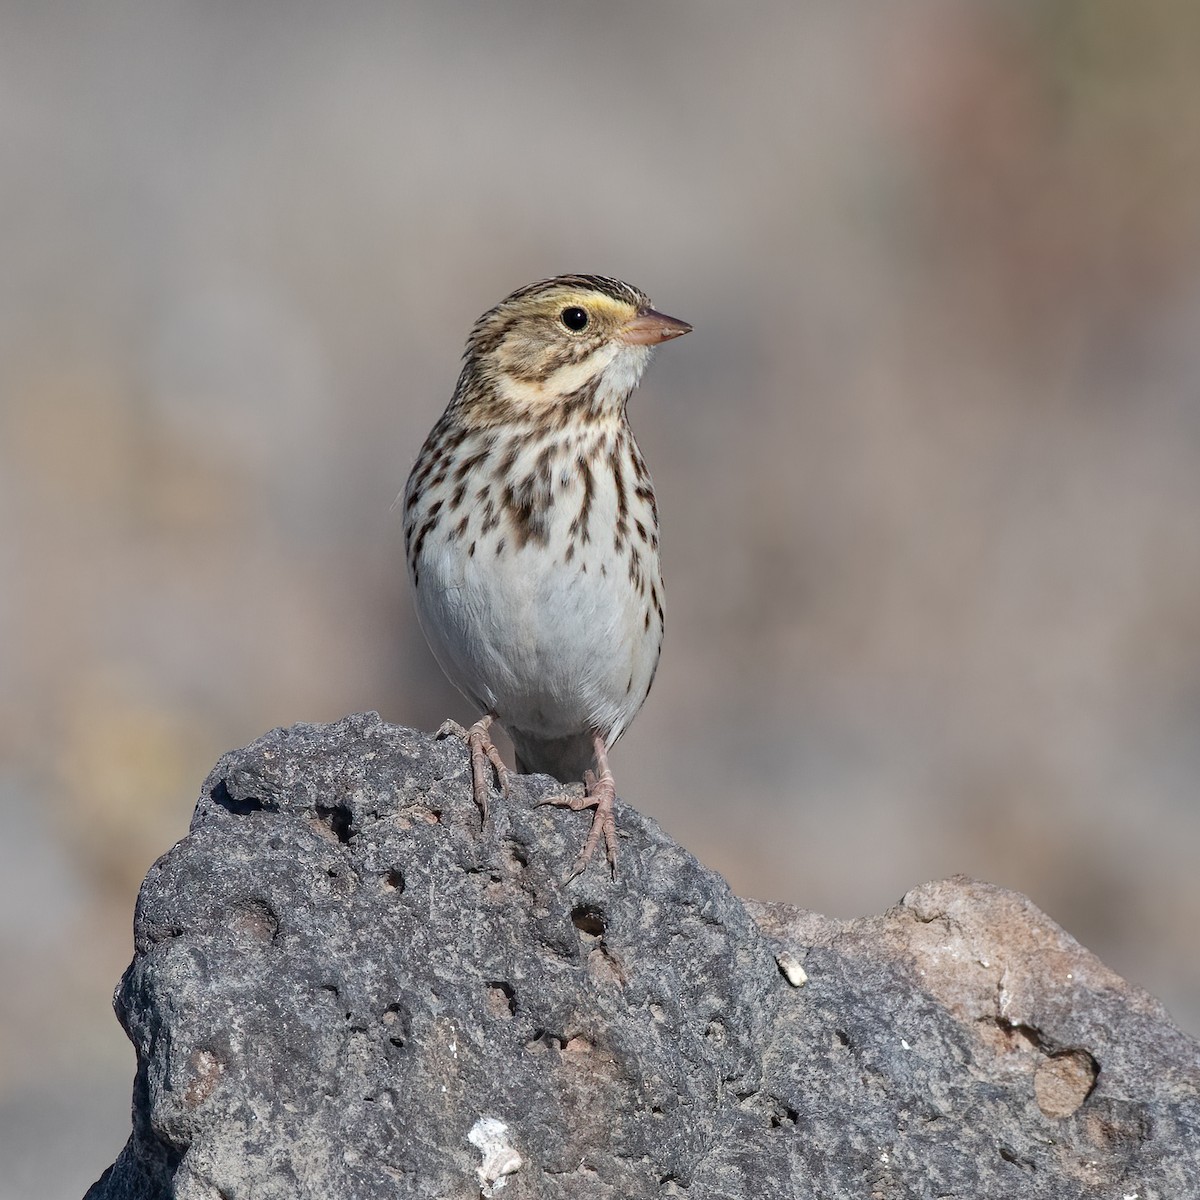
(929, 467)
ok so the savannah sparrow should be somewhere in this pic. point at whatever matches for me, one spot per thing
(532, 535)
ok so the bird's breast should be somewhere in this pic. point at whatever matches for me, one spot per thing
(537, 575)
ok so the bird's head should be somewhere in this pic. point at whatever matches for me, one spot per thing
(561, 349)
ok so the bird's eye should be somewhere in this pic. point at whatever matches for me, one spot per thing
(574, 318)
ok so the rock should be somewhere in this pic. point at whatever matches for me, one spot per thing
(343, 988)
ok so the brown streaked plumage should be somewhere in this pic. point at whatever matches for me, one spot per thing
(531, 533)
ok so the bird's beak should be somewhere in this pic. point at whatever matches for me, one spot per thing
(649, 328)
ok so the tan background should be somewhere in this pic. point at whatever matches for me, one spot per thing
(929, 466)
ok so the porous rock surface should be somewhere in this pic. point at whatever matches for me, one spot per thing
(343, 988)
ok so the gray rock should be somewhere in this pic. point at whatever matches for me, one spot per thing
(343, 988)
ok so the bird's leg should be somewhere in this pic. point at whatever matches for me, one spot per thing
(600, 793)
(483, 751)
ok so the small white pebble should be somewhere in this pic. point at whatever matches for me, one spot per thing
(793, 972)
(500, 1158)
(905, 1044)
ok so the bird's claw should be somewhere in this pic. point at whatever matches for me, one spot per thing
(601, 795)
(483, 751)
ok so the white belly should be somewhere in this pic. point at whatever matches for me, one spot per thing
(553, 644)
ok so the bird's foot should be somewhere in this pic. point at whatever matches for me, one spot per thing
(600, 794)
(483, 751)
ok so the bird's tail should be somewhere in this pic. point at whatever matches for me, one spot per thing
(565, 758)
